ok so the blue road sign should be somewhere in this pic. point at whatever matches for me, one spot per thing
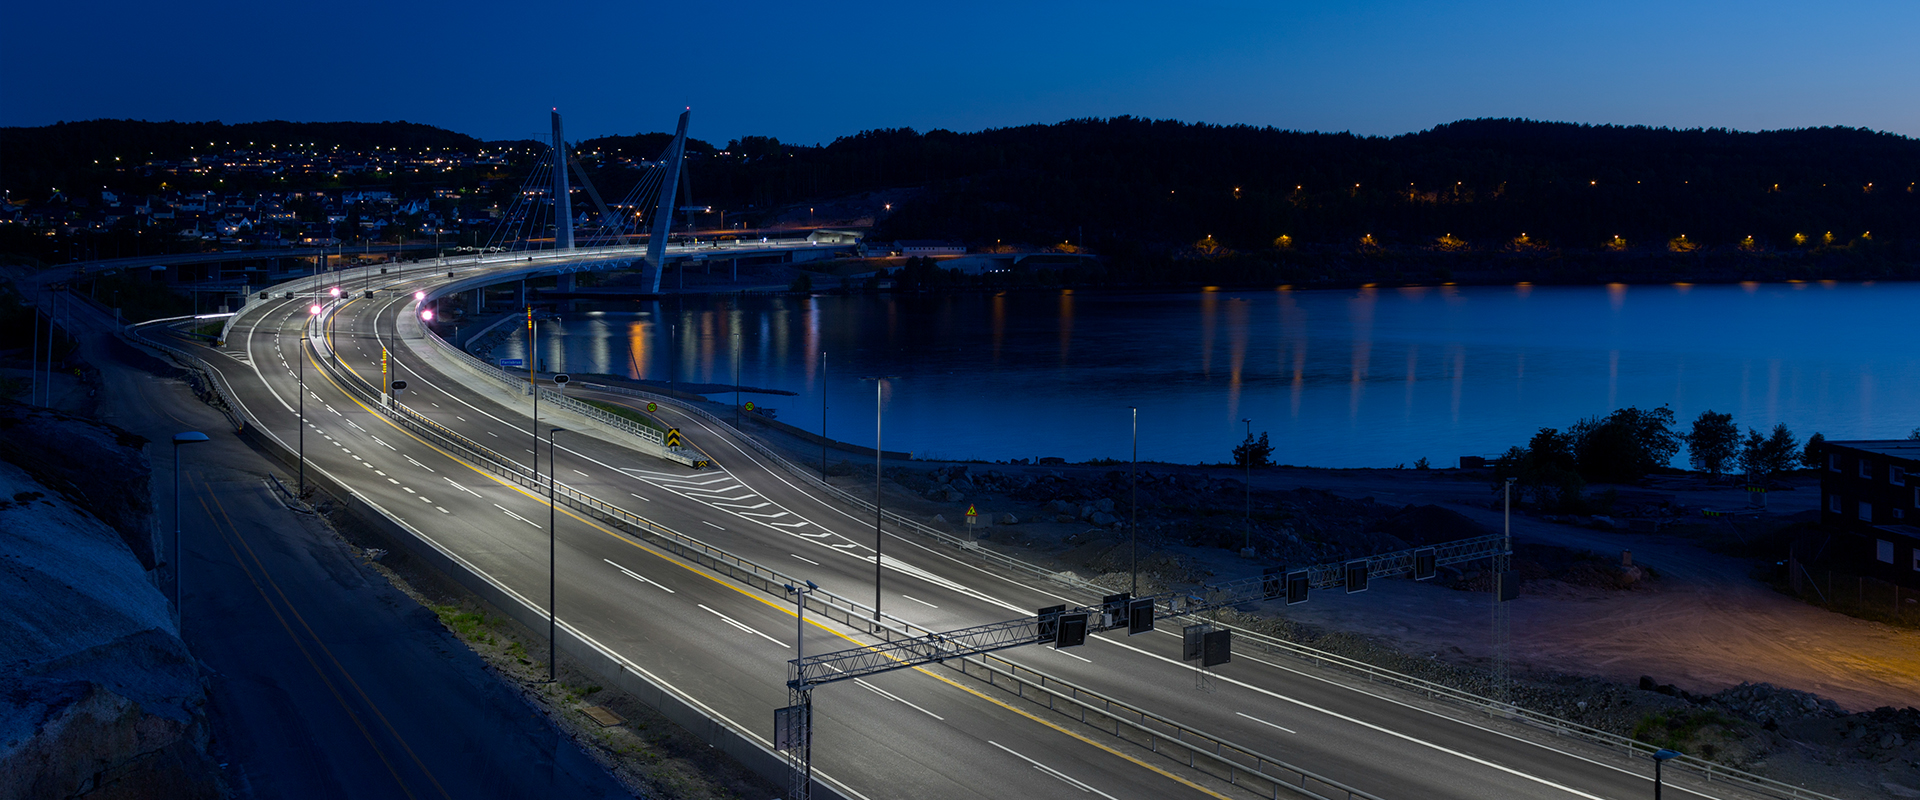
(513, 362)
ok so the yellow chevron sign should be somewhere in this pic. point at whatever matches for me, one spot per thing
(673, 437)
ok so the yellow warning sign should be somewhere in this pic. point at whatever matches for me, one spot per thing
(673, 437)
(971, 512)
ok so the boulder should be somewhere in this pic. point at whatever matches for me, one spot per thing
(1104, 504)
(1005, 519)
(954, 495)
(1103, 519)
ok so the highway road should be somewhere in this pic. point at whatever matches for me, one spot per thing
(920, 733)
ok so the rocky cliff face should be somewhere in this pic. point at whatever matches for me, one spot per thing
(99, 697)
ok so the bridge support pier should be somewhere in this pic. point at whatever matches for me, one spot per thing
(563, 282)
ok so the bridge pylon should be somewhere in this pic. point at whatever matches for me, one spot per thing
(663, 214)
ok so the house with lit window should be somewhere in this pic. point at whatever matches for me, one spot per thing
(1870, 497)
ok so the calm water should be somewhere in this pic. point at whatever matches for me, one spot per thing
(1369, 377)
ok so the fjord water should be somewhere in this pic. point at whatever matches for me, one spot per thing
(1365, 377)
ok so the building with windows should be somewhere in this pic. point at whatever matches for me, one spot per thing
(1870, 495)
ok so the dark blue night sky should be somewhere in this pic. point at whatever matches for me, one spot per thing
(808, 72)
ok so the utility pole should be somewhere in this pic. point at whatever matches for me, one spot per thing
(879, 383)
(553, 483)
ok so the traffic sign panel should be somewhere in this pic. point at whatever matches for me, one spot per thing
(652, 407)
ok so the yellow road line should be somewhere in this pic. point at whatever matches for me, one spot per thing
(304, 652)
(740, 590)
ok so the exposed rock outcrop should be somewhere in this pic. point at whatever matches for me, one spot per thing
(98, 695)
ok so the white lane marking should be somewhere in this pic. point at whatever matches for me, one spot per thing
(504, 510)
(637, 576)
(357, 458)
(1053, 772)
(804, 558)
(581, 474)
(764, 516)
(1070, 655)
(896, 698)
(690, 492)
(710, 525)
(435, 405)
(736, 623)
(791, 524)
(409, 490)
(335, 413)
(392, 481)
(742, 505)
(920, 601)
(376, 439)
(443, 509)
(462, 488)
(635, 495)
(463, 419)
(423, 497)
(380, 473)
(1368, 725)
(1263, 722)
(356, 426)
(416, 463)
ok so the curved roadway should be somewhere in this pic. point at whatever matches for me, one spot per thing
(911, 733)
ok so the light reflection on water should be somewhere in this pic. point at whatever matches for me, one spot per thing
(1365, 377)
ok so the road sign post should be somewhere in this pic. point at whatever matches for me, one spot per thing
(972, 515)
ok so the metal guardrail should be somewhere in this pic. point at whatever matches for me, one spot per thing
(1707, 770)
(599, 416)
(856, 614)
(899, 522)
(1209, 754)
(189, 361)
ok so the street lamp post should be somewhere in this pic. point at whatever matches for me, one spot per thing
(736, 380)
(1133, 483)
(553, 483)
(823, 415)
(305, 334)
(185, 437)
(1660, 757)
(879, 383)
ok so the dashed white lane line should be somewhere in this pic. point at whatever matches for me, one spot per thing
(804, 558)
(711, 525)
(581, 474)
(1263, 722)
(743, 505)
(409, 490)
(764, 516)
(1053, 772)
(637, 576)
(356, 426)
(462, 488)
(392, 481)
(920, 601)
(742, 626)
(503, 510)
(642, 498)
(896, 698)
(1070, 655)
(416, 463)
(443, 509)
(376, 439)
(492, 434)
(463, 419)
